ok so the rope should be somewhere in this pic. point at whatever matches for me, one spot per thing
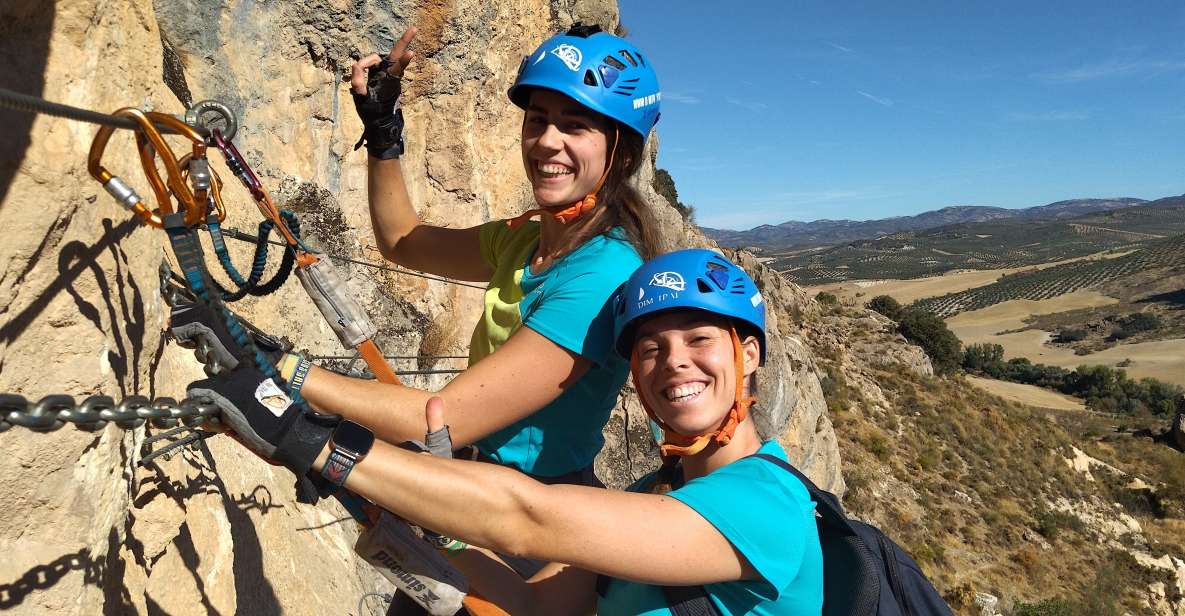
(251, 285)
(32, 104)
(233, 233)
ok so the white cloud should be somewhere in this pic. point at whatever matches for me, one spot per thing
(880, 100)
(840, 47)
(1049, 116)
(679, 97)
(1111, 68)
(747, 104)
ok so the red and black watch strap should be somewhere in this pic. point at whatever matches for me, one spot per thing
(347, 447)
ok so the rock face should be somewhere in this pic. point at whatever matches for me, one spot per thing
(215, 527)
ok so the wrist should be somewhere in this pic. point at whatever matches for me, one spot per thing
(294, 369)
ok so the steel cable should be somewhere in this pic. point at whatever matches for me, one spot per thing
(31, 104)
(231, 232)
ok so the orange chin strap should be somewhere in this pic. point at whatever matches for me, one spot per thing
(675, 444)
(576, 210)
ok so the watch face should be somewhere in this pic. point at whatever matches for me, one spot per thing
(353, 437)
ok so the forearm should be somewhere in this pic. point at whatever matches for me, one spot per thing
(391, 213)
(393, 412)
(480, 504)
(494, 580)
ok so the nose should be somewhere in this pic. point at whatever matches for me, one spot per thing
(551, 139)
(675, 358)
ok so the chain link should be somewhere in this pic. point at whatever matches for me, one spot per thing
(54, 412)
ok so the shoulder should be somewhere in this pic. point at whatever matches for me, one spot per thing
(496, 236)
(757, 482)
(747, 498)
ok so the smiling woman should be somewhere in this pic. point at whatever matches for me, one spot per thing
(542, 376)
(730, 519)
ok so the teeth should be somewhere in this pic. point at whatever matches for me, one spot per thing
(554, 170)
(684, 392)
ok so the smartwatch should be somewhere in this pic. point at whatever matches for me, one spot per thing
(348, 445)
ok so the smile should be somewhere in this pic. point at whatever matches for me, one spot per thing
(552, 170)
(685, 392)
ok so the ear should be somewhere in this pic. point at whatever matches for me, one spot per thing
(751, 349)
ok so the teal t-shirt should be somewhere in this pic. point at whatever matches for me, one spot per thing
(569, 303)
(769, 517)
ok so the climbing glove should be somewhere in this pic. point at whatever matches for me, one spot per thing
(382, 120)
(196, 326)
(265, 418)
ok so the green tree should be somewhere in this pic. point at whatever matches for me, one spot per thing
(827, 299)
(930, 332)
(664, 185)
(985, 359)
(885, 305)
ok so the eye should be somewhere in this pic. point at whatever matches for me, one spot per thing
(647, 349)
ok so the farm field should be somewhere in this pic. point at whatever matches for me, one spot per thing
(1062, 279)
(909, 291)
(1162, 359)
(1030, 395)
(991, 245)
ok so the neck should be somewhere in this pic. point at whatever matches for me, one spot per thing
(745, 442)
(553, 235)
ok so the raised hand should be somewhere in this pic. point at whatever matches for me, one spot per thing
(375, 83)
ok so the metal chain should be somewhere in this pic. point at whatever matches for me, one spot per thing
(54, 412)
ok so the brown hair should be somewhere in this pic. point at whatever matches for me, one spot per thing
(618, 202)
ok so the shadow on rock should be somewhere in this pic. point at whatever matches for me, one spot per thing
(25, 29)
(46, 576)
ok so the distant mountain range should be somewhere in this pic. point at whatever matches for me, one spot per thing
(793, 233)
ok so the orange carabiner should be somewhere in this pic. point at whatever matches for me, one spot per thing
(150, 143)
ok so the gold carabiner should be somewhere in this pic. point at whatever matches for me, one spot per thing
(150, 142)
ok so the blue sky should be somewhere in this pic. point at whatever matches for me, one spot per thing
(777, 110)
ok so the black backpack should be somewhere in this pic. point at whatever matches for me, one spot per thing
(864, 572)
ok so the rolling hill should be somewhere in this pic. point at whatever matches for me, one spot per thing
(793, 233)
(995, 244)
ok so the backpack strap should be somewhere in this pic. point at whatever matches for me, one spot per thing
(829, 508)
(689, 601)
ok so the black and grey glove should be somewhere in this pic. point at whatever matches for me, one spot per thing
(382, 119)
(196, 326)
(265, 419)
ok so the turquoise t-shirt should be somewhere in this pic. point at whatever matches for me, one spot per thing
(769, 517)
(569, 303)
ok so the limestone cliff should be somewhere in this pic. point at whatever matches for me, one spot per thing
(84, 528)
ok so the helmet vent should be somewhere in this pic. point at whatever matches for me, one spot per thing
(590, 78)
(641, 60)
(615, 63)
(703, 285)
(609, 75)
(628, 58)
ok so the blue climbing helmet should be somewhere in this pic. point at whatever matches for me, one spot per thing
(692, 278)
(600, 71)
